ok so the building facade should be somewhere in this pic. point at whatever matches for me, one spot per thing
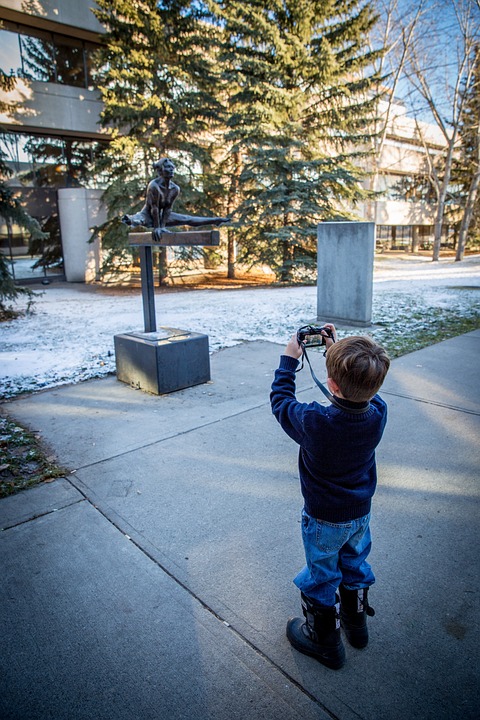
(404, 211)
(50, 128)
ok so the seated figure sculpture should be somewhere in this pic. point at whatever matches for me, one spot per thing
(157, 212)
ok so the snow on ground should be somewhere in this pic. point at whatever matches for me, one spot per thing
(69, 337)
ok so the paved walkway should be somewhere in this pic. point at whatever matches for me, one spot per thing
(155, 581)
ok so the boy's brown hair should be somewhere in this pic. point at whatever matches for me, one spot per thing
(358, 366)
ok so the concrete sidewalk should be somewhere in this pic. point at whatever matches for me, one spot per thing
(155, 581)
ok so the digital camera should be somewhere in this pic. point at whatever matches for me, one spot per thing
(311, 335)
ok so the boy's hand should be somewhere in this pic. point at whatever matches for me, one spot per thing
(329, 341)
(293, 349)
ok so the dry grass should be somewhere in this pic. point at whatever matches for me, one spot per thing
(24, 461)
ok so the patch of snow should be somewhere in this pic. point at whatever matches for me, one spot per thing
(69, 336)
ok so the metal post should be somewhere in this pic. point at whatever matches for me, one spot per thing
(148, 295)
(146, 242)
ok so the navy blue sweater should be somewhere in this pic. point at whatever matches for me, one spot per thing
(336, 461)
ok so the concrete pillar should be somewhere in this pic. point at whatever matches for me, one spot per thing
(79, 210)
(345, 272)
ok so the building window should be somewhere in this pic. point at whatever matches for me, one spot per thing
(384, 233)
(10, 56)
(403, 237)
(28, 259)
(37, 56)
(43, 161)
(48, 57)
(70, 63)
(395, 237)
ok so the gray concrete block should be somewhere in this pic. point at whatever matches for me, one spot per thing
(163, 361)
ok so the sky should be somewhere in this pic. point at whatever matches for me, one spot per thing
(439, 46)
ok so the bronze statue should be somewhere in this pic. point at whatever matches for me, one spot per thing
(161, 194)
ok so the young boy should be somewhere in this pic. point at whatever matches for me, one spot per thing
(338, 479)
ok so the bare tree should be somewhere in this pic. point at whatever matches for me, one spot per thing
(396, 32)
(471, 156)
(446, 55)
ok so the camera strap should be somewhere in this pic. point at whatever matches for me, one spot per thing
(335, 401)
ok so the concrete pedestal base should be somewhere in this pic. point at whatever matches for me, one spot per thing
(162, 361)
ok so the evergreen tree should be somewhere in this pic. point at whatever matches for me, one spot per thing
(467, 167)
(12, 212)
(299, 84)
(157, 84)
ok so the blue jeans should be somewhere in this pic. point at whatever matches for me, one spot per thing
(335, 553)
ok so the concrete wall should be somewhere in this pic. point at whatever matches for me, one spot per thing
(79, 210)
(400, 212)
(52, 107)
(345, 272)
(396, 212)
(75, 13)
(401, 157)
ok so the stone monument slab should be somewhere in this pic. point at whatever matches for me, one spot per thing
(345, 252)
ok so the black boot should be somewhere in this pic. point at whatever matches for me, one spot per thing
(354, 611)
(319, 635)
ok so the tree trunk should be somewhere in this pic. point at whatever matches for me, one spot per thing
(232, 198)
(437, 239)
(162, 266)
(442, 194)
(232, 254)
(467, 215)
(287, 262)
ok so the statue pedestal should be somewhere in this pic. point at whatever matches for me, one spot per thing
(162, 361)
